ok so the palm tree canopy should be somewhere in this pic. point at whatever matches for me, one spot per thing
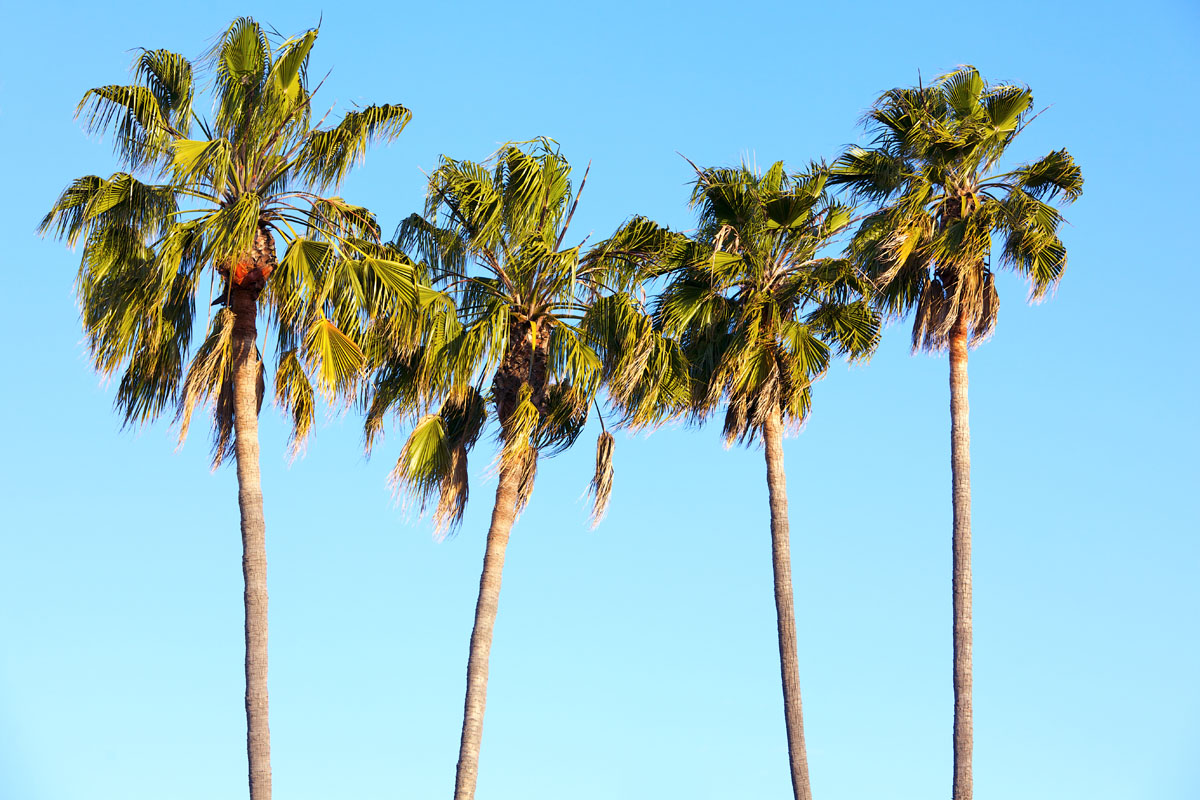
(758, 311)
(520, 326)
(214, 194)
(933, 170)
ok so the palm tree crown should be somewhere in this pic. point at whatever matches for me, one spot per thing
(520, 326)
(225, 189)
(933, 170)
(757, 310)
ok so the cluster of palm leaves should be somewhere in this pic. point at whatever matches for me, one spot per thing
(485, 311)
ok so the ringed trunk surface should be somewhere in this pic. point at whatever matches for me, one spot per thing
(254, 549)
(503, 515)
(781, 560)
(243, 298)
(960, 470)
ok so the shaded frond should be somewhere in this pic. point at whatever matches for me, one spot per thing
(210, 369)
(1052, 176)
(295, 395)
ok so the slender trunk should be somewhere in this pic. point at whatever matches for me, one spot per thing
(960, 469)
(781, 559)
(254, 551)
(503, 516)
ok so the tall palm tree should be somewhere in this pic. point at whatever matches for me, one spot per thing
(214, 197)
(759, 312)
(933, 171)
(520, 329)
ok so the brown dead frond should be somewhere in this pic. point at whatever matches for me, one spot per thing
(601, 486)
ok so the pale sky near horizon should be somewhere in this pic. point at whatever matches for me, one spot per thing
(637, 660)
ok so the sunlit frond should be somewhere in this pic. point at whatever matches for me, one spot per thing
(333, 358)
(328, 155)
(294, 393)
(1052, 176)
(169, 77)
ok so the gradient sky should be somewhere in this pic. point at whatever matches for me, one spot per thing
(638, 660)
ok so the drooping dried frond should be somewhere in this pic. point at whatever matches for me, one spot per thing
(210, 369)
(452, 495)
(517, 431)
(600, 489)
(225, 409)
(528, 466)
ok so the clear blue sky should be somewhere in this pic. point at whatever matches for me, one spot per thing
(638, 660)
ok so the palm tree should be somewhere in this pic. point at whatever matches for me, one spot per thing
(519, 329)
(759, 313)
(932, 169)
(227, 189)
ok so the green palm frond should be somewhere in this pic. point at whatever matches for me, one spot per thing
(328, 155)
(142, 129)
(289, 72)
(294, 393)
(168, 76)
(333, 357)
(433, 462)
(1052, 176)
(206, 162)
(426, 462)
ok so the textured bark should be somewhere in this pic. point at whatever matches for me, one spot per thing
(244, 302)
(503, 516)
(525, 361)
(781, 559)
(960, 470)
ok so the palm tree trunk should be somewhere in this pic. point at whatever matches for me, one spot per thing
(503, 515)
(254, 551)
(781, 559)
(960, 470)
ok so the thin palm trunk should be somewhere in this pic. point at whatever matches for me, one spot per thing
(960, 469)
(503, 515)
(781, 559)
(254, 550)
